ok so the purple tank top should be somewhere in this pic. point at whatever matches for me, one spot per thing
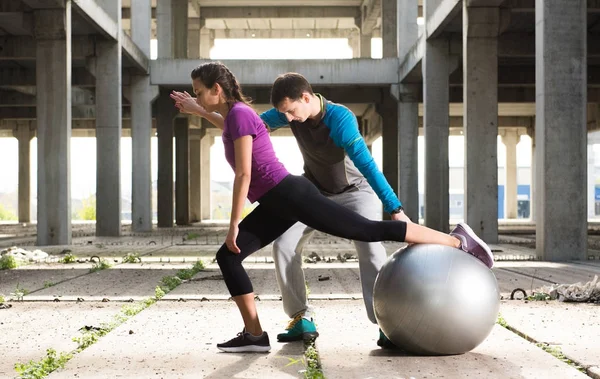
(267, 171)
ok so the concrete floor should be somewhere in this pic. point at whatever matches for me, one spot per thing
(176, 337)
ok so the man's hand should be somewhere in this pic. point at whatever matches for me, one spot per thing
(187, 104)
(401, 216)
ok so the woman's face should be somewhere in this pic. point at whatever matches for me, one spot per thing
(208, 98)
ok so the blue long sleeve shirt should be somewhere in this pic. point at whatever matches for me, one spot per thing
(336, 157)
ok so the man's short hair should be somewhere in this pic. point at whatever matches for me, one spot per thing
(291, 85)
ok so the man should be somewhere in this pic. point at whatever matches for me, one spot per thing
(338, 162)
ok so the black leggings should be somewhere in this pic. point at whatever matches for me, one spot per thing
(297, 199)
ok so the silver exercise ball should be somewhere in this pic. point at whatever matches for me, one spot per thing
(435, 300)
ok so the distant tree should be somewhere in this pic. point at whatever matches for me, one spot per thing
(88, 209)
(6, 214)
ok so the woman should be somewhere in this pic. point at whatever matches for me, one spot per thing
(284, 199)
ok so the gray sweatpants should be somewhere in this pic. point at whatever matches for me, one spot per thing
(287, 254)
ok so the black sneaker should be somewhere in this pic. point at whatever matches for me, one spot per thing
(246, 343)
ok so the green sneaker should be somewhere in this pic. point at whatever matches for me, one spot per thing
(299, 329)
(385, 343)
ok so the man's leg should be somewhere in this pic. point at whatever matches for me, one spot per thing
(371, 256)
(287, 255)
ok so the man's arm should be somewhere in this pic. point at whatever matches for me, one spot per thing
(274, 119)
(345, 134)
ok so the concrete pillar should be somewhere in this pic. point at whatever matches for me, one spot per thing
(408, 11)
(390, 144)
(436, 130)
(195, 172)
(480, 102)
(365, 45)
(24, 134)
(193, 43)
(389, 28)
(141, 25)
(165, 113)
(408, 112)
(108, 129)
(180, 28)
(561, 94)
(354, 41)
(532, 188)
(142, 96)
(172, 26)
(182, 171)
(207, 42)
(205, 144)
(510, 138)
(363, 40)
(591, 182)
(400, 159)
(52, 29)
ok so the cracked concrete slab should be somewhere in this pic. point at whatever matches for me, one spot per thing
(179, 340)
(347, 347)
(573, 327)
(28, 329)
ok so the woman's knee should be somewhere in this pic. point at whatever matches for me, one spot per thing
(225, 259)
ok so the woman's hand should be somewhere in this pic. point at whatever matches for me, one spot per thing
(231, 238)
(187, 104)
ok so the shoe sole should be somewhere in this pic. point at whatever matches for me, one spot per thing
(472, 234)
(308, 336)
(246, 349)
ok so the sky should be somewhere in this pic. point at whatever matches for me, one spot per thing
(83, 150)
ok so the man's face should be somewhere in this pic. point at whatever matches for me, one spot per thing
(297, 110)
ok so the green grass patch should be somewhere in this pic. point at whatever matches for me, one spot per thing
(501, 321)
(100, 265)
(8, 262)
(312, 362)
(19, 293)
(68, 258)
(42, 368)
(556, 352)
(132, 258)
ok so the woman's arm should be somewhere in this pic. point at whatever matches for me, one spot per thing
(241, 184)
(187, 104)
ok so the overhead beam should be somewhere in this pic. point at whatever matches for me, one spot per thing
(279, 12)
(17, 23)
(510, 45)
(412, 62)
(24, 48)
(81, 77)
(44, 4)
(78, 112)
(503, 121)
(446, 11)
(132, 51)
(12, 98)
(97, 17)
(283, 33)
(173, 72)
